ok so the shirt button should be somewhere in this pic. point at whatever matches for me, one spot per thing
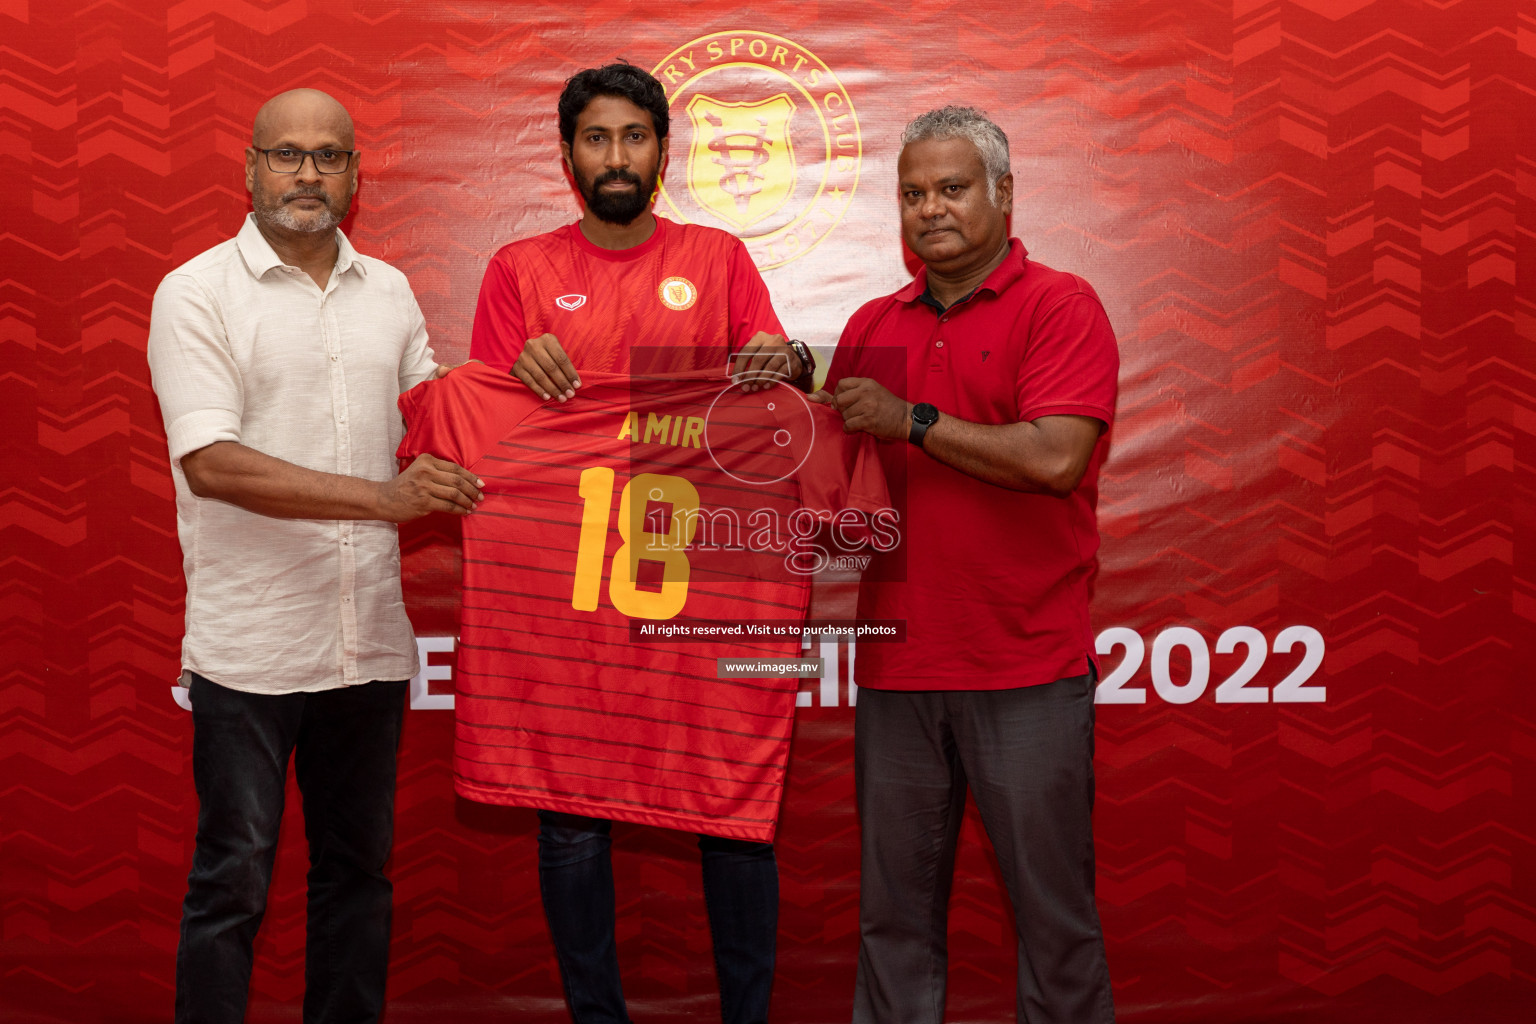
(941, 343)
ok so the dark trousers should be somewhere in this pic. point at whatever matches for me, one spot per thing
(343, 742)
(1027, 755)
(741, 895)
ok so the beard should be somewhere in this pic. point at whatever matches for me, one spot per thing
(621, 208)
(275, 209)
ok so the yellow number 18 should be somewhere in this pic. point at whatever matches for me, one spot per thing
(640, 543)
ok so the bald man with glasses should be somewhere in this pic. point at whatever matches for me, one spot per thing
(277, 357)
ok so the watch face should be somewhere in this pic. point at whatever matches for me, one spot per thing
(925, 413)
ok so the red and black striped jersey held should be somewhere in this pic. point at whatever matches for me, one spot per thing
(642, 501)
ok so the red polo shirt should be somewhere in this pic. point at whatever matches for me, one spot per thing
(992, 583)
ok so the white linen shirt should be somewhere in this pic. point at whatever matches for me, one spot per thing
(244, 348)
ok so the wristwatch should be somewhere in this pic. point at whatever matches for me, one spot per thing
(807, 376)
(923, 417)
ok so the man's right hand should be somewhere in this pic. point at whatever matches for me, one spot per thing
(544, 367)
(429, 484)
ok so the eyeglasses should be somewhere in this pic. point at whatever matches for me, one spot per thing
(286, 160)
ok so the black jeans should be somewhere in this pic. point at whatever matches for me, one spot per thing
(741, 895)
(344, 743)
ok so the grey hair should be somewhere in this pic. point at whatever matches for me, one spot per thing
(965, 123)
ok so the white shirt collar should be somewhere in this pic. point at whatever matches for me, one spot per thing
(260, 257)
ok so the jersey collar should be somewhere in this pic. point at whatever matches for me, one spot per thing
(633, 252)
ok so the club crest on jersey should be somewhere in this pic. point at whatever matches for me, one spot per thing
(571, 302)
(678, 293)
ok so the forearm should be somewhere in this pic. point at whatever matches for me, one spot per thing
(1048, 455)
(1018, 456)
(259, 483)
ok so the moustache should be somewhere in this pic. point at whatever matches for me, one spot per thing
(307, 193)
(617, 175)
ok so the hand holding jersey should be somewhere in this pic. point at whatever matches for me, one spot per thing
(765, 360)
(545, 368)
(867, 405)
(429, 484)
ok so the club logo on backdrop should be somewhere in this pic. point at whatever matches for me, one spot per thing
(772, 142)
(741, 166)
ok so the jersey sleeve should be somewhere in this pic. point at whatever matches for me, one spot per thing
(1072, 364)
(751, 308)
(460, 417)
(842, 471)
(500, 330)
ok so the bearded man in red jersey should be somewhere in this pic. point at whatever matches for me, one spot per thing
(622, 290)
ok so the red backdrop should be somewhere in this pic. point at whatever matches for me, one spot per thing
(1308, 220)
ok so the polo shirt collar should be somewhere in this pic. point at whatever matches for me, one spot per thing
(259, 256)
(1003, 275)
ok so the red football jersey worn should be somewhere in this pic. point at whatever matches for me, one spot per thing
(651, 303)
(656, 500)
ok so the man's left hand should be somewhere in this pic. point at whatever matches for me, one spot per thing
(764, 361)
(866, 405)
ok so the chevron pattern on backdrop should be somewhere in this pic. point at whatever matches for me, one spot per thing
(1307, 219)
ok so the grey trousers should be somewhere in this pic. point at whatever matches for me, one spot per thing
(1027, 754)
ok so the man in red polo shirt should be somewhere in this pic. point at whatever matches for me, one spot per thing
(995, 376)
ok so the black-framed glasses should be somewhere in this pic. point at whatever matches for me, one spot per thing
(287, 160)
